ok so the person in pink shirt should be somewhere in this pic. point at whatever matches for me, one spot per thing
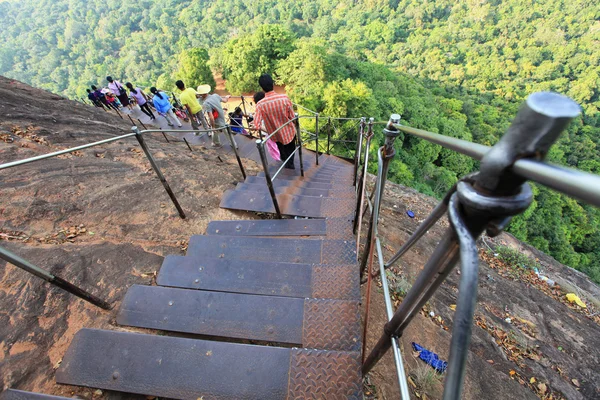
(118, 90)
(140, 99)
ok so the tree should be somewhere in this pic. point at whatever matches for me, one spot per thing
(193, 68)
(245, 58)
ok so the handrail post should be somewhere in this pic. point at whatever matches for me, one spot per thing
(483, 201)
(245, 113)
(157, 170)
(391, 133)
(299, 144)
(19, 262)
(235, 150)
(328, 134)
(317, 137)
(358, 150)
(358, 215)
(263, 159)
(385, 155)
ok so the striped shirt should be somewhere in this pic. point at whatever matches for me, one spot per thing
(275, 110)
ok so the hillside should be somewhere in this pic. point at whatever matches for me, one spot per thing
(101, 219)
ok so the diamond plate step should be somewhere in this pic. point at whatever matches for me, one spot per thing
(315, 323)
(294, 190)
(269, 227)
(310, 185)
(300, 251)
(302, 206)
(12, 394)
(190, 368)
(263, 278)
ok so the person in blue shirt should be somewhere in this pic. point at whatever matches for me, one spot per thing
(163, 107)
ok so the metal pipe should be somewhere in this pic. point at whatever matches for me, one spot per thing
(235, 150)
(467, 299)
(157, 170)
(473, 150)
(328, 134)
(385, 154)
(131, 119)
(165, 136)
(580, 185)
(317, 137)
(437, 213)
(283, 163)
(389, 309)
(362, 187)
(280, 128)
(141, 123)
(60, 152)
(445, 251)
(188, 145)
(299, 143)
(51, 278)
(358, 151)
(245, 113)
(263, 159)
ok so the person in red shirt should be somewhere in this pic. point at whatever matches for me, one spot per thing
(274, 111)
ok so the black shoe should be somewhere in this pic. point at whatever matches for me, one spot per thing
(289, 167)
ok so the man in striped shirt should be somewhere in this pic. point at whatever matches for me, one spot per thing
(275, 111)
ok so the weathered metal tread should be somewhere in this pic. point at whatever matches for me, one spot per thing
(294, 190)
(189, 368)
(269, 227)
(12, 394)
(327, 180)
(312, 185)
(315, 323)
(302, 251)
(302, 206)
(262, 278)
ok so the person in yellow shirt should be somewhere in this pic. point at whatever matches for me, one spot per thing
(189, 98)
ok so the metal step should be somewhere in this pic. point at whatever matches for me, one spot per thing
(12, 394)
(269, 227)
(315, 323)
(316, 179)
(264, 278)
(294, 190)
(190, 369)
(300, 251)
(301, 206)
(310, 185)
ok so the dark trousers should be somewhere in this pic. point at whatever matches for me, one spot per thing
(146, 110)
(285, 150)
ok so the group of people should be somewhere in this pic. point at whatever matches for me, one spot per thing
(205, 110)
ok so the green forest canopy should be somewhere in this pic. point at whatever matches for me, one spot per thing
(460, 68)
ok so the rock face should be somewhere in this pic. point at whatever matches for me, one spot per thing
(101, 219)
(528, 340)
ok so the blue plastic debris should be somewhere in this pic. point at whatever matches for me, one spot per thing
(430, 358)
(410, 214)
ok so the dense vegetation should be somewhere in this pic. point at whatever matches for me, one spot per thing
(460, 68)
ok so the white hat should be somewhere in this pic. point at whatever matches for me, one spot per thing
(203, 89)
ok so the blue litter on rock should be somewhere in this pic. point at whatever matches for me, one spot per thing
(430, 358)
(410, 214)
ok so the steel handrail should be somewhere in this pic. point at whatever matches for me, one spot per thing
(306, 109)
(61, 152)
(284, 162)
(278, 129)
(572, 182)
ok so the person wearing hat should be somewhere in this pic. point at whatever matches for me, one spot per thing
(211, 104)
(189, 99)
